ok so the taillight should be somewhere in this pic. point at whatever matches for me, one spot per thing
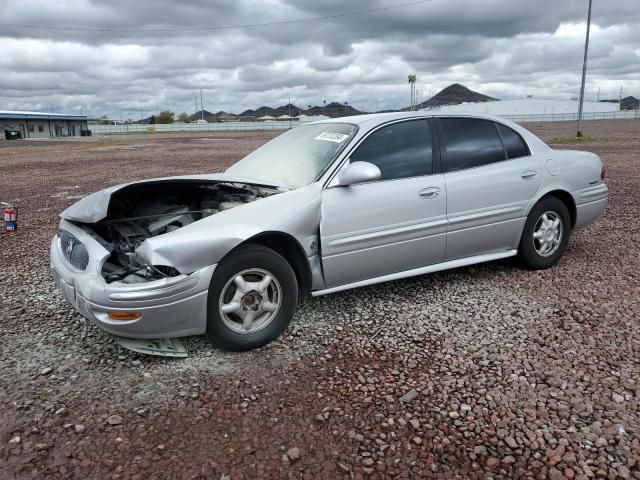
(603, 172)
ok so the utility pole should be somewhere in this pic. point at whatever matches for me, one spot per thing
(201, 107)
(584, 72)
(412, 87)
(195, 111)
(598, 94)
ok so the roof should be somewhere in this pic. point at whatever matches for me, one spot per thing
(379, 118)
(25, 115)
(529, 106)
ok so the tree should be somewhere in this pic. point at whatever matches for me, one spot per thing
(104, 120)
(165, 117)
(184, 118)
(152, 120)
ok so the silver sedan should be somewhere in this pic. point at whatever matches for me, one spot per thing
(323, 207)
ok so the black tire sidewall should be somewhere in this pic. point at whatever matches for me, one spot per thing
(247, 257)
(526, 250)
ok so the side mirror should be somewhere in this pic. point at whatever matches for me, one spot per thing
(359, 172)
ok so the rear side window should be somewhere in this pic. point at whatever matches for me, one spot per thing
(470, 143)
(400, 150)
(513, 142)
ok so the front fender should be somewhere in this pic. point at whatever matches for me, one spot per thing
(206, 242)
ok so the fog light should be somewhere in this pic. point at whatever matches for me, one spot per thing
(123, 315)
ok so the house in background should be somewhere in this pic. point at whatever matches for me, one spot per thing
(17, 124)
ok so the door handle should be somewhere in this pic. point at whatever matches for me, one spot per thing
(528, 174)
(430, 192)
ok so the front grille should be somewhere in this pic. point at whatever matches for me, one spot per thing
(73, 250)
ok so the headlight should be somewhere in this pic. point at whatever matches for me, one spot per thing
(73, 250)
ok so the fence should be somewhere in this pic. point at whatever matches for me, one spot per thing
(283, 125)
(192, 127)
(567, 117)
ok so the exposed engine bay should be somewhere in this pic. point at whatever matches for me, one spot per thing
(140, 211)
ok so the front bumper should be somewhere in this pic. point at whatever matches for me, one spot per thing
(171, 307)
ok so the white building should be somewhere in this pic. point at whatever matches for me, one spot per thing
(530, 106)
(40, 124)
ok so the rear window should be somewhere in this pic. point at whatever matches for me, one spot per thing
(471, 142)
(513, 142)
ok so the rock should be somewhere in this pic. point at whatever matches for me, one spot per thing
(492, 462)
(46, 371)
(79, 428)
(511, 442)
(417, 440)
(623, 472)
(368, 462)
(555, 474)
(15, 440)
(616, 397)
(415, 423)
(480, 450)
(409, 396)
(114, 420)
(41, 446)
(293, 454)
(454, 415)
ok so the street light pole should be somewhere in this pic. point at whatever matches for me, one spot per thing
(584, 72)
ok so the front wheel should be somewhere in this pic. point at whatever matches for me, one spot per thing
(252, 298)
(546, 234)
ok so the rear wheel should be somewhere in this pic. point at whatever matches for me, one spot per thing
(252, 298)
(545, 235)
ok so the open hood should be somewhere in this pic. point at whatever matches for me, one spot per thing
(122, 218)
(95, 207)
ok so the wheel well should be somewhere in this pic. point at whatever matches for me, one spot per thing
(292, 251)
(566, 198)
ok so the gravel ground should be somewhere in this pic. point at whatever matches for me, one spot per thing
(483, 372)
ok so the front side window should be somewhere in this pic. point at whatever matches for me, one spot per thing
(297, 157)
(400, 150)
(471, 142)
(513, 143)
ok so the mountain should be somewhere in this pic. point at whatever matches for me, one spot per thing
(333, 109)
(453, 95)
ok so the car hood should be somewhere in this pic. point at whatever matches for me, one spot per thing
(94, 207)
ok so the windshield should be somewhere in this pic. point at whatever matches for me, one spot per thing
(298, 156)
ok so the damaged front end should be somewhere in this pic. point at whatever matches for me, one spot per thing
(141, 211)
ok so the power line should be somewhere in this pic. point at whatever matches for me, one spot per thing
(217, 27)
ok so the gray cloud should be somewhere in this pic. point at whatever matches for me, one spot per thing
(505, 48)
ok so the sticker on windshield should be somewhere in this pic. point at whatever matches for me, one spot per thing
(332, 137)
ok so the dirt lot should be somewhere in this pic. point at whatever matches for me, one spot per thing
(516, 374)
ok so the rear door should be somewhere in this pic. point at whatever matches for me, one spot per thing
(490, 178)
(397, 223)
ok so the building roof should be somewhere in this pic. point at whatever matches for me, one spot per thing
(24, 115)
(530, 106)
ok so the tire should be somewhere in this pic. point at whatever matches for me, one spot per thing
(531, 251)
(251, 312)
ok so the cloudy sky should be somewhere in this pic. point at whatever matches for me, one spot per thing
(117, 57)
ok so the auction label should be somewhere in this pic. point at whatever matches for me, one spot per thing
(332, 137)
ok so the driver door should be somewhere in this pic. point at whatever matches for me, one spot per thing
(394, 224)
